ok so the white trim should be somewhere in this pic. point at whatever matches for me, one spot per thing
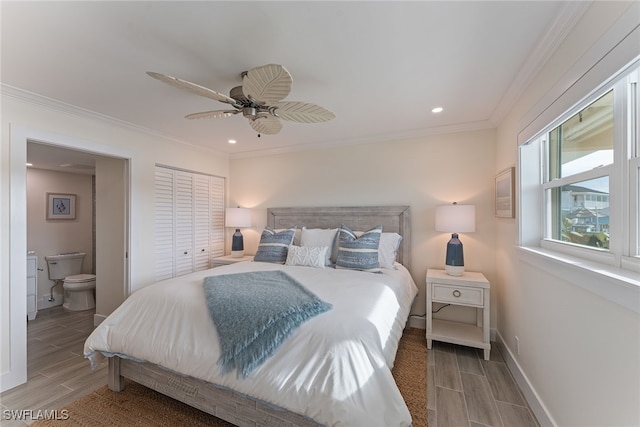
(17, 373)
(98, 318)
(396, 136)
(19, 137)
(533, 399)
(619, 286)
(577, 250)
(613, 52)
(579, 177)
(565, 20)
(55, 105)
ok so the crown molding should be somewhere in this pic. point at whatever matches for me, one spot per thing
(556, 33)
(398, 136)
(72, 110)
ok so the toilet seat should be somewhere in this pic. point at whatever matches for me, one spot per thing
(80, 278)
(79, 282)
(79, 292)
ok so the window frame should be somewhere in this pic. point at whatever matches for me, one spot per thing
(624, 182)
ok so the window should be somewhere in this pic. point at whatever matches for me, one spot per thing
(581, 146)
(580, 178)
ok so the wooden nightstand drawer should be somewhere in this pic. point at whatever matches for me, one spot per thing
(457, 294)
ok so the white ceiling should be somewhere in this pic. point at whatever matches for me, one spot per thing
(379, 66)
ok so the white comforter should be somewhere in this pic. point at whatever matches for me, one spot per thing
(334, 369)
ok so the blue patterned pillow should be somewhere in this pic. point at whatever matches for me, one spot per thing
(274, 245)
(358, 253)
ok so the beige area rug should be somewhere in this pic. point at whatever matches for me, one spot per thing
(140, 406)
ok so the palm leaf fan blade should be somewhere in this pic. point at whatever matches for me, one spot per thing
(303, 112)
(266, 125)
(212, 114)
(267, 84)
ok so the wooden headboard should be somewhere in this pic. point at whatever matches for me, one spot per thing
(394, 219)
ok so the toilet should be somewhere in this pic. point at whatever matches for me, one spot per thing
(78, 288)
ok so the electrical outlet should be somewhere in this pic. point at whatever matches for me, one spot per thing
(517, 345)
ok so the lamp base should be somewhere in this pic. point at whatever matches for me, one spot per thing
(237, 254)
(454, 262)
(454, 270)
(237, 245)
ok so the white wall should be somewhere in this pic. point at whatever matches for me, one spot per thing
(421, 173)
(50, 237)
(25, 118)
(579, 353)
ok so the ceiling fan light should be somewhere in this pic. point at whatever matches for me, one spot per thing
(249, 112)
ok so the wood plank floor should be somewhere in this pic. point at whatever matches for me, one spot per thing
(463, 389)
(57, 372)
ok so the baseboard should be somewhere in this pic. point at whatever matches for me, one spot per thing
(45, 303)
(98, 318)
(419, 322)
(534, 401)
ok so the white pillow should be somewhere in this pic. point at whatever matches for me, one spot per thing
(307, 256)
(319, 237)
(388, 249)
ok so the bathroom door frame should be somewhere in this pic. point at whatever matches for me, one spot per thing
(19, 138)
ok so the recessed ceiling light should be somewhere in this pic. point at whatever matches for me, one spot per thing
(437, 110)
(232, 141)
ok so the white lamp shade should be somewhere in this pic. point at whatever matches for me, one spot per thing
(237, 217)
(456, 218)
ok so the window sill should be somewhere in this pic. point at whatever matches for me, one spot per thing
(614, 284)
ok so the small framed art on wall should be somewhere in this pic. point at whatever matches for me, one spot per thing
(505, 194)
(61, 206)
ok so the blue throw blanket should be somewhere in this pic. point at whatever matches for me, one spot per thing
(254, 313)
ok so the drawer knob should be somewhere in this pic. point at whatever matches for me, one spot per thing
(457, 293)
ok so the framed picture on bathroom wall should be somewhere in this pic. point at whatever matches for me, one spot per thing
(61, 206)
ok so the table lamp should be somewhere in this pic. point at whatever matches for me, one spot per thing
(455, 219)
(237, 218)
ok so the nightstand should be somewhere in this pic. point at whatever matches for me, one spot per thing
(228, 259)
(471, 290)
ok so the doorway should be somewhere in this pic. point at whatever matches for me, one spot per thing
(112, 219)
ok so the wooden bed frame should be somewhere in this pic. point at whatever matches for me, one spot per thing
(242, 410)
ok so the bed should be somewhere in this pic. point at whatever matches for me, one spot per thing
(335, 369)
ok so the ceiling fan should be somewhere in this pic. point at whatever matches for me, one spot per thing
(259, 99)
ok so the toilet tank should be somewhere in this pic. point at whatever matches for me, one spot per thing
(63, 265)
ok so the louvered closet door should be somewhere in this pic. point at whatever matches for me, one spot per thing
(184, 225)
(202, 213)
(216, 224)
(208, 220)
(189, 221)
(164, 243)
